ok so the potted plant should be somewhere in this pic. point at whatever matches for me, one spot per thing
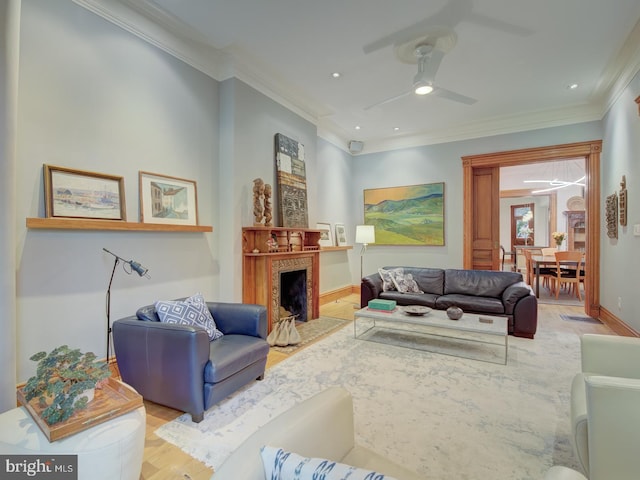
(65, 381)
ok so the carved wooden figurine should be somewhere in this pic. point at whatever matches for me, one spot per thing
(258, 196)
(268, 210)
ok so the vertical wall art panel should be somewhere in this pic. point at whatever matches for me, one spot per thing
(412, 215)
(292, 182)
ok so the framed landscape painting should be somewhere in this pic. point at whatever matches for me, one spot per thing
(411, 215)
(71, 193)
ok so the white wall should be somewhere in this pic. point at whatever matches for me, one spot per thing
(334, 205)
(94, 97)
(9, 57)
(249, 122)
(442, 163)
(620, 258)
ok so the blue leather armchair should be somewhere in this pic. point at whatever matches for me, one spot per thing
(177, 365)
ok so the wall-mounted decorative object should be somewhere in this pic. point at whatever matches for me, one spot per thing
(612, 215)
(411, 215)
(292, 182)
(80, 194)
(167, 200)
(622, 204)
(258, 199)
(326, 236)
(638, 102)
(341, 235)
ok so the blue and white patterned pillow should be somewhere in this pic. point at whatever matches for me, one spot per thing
(282, 465)
(193, 311)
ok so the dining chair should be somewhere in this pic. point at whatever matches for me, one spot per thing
(545, 273)
(549, 250)
(570, 276)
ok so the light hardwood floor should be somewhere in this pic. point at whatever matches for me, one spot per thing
(164, 461)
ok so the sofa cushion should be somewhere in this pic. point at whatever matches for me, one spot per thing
(193, 311)
(404, 282)
(429, 280)
(471, 303)
(478, 282)
(387, 280)
(425, 299)
(231, 353)
(280, 464)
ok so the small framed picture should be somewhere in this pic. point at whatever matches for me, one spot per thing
(74, 193)
(326, 237)
(168, 200)
(341, 235)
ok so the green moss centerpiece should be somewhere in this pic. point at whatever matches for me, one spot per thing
(64, 382)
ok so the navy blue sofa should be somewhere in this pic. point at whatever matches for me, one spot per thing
(177, 365)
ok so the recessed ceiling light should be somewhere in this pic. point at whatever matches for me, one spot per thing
(335, 74)
(395, 129)
(572, 86)
(357, 127)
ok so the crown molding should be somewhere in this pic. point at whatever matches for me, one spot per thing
(621, 71)
(491, 127)
(154, 26)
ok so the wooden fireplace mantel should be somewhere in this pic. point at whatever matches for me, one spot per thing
(267, 251)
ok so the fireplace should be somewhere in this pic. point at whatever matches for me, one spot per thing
(292, 288)
(293, 294)
(287, 276)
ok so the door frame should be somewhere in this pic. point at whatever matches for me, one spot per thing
(590, 151)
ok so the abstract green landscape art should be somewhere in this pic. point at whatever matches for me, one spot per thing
(411, 215)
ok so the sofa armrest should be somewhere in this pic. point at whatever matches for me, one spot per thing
(370, 288)
(240, 318)
(321, 426)
(512, 294)
(152, 355)
(610, 355)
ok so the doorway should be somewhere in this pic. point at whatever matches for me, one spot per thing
(522, 226)
(482, 244)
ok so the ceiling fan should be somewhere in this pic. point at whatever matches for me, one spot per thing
(428, 57)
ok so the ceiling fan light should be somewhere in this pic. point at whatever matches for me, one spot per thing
(422, 88)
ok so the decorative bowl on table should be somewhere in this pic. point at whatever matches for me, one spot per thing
(415, 310)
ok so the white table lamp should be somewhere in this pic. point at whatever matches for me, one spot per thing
(365, 234)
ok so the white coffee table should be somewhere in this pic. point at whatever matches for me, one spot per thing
(468, 337)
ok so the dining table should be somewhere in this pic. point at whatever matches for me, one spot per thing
(539, 261)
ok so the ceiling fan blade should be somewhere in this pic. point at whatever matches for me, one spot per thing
(499, 25)
(456, 97)
(387, 100)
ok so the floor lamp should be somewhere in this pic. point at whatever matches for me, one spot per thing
(134, 267)
(365, 234)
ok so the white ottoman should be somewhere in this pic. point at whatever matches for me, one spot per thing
(109, 451)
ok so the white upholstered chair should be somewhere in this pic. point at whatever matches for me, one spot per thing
(613, 417)
(603, 356)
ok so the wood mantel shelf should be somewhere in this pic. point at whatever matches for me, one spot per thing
(335, 249)
(89, 224)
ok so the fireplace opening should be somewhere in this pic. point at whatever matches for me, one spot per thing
(293, 294)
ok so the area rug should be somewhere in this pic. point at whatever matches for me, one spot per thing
(444, 417)
(311, 330)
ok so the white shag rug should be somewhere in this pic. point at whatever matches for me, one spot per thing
(444, 417)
